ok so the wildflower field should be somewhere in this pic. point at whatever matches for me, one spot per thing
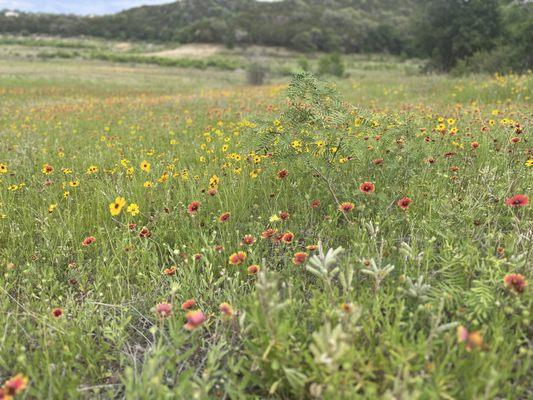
(173, 233)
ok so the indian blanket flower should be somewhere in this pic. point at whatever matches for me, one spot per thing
(367, 187)
(287, 237)
(472, 340)
(515, 282)
(226, 309)
(253, 269)
(193, 207)
(518, 200)
(133, 209)
(282, 174)
(170, 271)
(248, 240)
(145, 233)
(115, 208)
(47, 169)
(88, 240)
(194, 319)
(163, 310)
(315, 204)
(237, 258)
(268, 233)
(299, 258)
(224, 217)
(346, 207)
(404, 203)
(188, 304)
(57, 312)
(13, 386)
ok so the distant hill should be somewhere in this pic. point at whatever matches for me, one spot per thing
(307, 25)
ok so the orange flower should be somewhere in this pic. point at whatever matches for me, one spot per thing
(472, 340)
(253, 269)
(237, 258)
(299, 258)
(288, 237)
(224, 217)
(170, 271)
(88, 240)
(194, 319)
(226, 309)
(188, 304)
(515, 282)
(346, 207)
(15, 385)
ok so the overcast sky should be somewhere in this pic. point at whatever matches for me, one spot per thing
(76, 6)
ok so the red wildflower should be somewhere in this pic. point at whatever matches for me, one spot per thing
(282, 174)
(88, 240)
(197, 257)
(248, 240)
(518, 200)
(194, 319)
(14, 386)
(378, 161)
(288, 237)
(224, 217)
(188, 304)
(253, 269)
(315, 204)
(367, 187)
(404, 203)
(514, 140)
(212, 192)
(145, 232)
(471, 339)
(193, 207)
(237, 258)
(268, 233)
(312, 247)
(163, 310)
(299, 258)
(57, 312)
(474, 145)
(346, 207)
(226, 309)
(515, 282)
(284, 215)
(170, 271)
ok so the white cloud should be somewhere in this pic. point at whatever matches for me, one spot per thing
(76, 6)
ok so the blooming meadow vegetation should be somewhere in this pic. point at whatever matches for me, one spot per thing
(190, 237)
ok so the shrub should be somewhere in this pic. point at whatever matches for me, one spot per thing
(331, 64)
(256, 73)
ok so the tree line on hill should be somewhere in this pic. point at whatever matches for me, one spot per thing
(472, 35)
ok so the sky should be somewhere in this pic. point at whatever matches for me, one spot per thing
(82, 7)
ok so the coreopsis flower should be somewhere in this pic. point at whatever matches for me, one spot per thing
(51, 208)
(3, 168)
(57, 312)
(226, 309)
(253, 269)
(299, 258)
(472, 340)
(188, 304)
(93, 169)
(194, 319)
(145, 166)
(518, 200)
(367, 187)
(237, 258)
(193, 207)
(515, 282)
(163, 310)
(88, 241)
(115, 208)
(133, 209)
(404, 203)
(224, 217)
(346, 207)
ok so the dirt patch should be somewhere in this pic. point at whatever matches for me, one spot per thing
(190, 50)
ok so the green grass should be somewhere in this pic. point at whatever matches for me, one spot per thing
(289, 336)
